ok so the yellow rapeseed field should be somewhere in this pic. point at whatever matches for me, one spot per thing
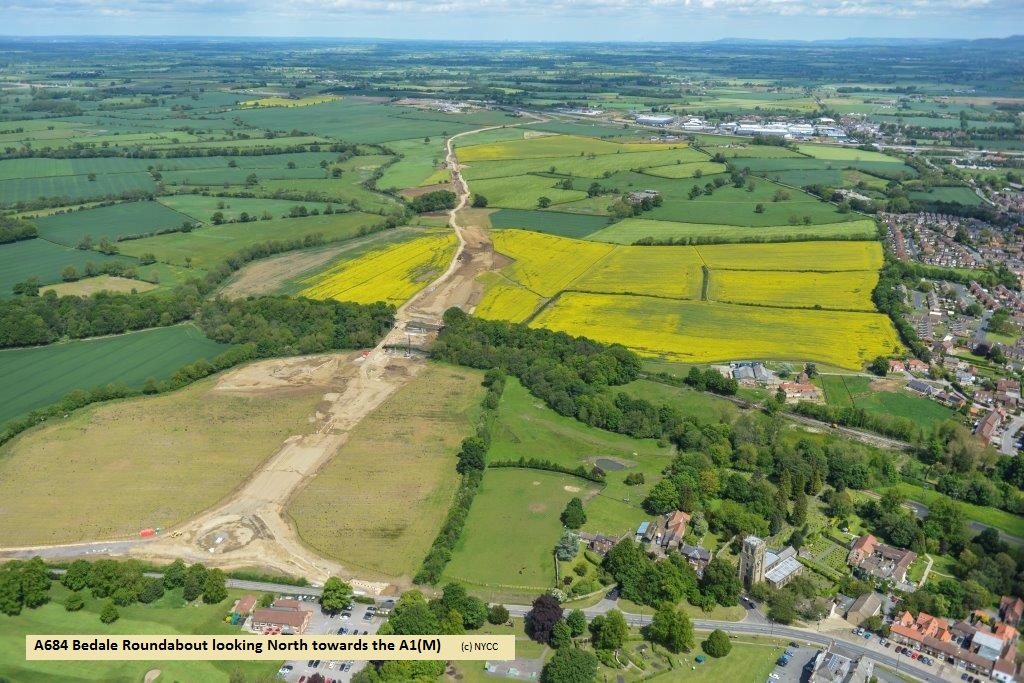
(704, 331)
(655, 271)
(797, 256)
(289, 102)
(393, 274)
(505, 300)
(847, 290)
(546, 264)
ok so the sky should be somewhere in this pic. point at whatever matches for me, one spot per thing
(541, 20)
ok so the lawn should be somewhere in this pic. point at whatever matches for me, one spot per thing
(698, 331)
(691, 403)
(40, 375)
(632, 229)
(114, 222)
(167, 616)
(208, 246)
(38, 258)
(155, 448)
(551, 222)
(512, 529)
(393, 274)
(379, 502)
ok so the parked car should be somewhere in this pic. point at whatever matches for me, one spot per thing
(774, 676)
(793, 643)
(347, 667)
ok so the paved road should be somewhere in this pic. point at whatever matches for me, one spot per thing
(1008, 443)
(849, 648)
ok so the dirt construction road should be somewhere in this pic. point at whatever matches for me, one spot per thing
(249, 528)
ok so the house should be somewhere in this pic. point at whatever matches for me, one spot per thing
(916, 365)
(283, 616)
(988, 425)
(1010, 387)
(1011, 610)
(667, 531)
(920, 387)
(697, 557)
(863, 608)
(897, 366)
(879, 560)
(975, 649)
(598, 543)
(795, 391)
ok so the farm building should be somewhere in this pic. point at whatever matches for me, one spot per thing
(797, 391)
(640, 195)
(655, 119)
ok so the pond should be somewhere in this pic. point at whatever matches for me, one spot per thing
(609, 465)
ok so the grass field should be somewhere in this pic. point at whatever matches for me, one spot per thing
(419, 164)
(512, 528)
(210, 245)
(290, 102)
(686, 170)
(144, 447)
(117, 221)
(586, 167)
(73, 187)
(835, 152)
(959, 195)
(844, 291)
(554, 146)
(632, 229)
(884, 397)
(524, 191)
(382, 513)
(100, 283)
(202, 208)
(550, 222)
(42, 259)
(39, 376)
(697, 331)
(169, 615)
(393, 274)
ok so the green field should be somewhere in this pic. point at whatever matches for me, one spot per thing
(630, 230)
(114, 222)
(209, 245)
(993, 517)
(39, 376)
(202, 208)
(512, 528)
(169, 615)
(551, 222)
(582, 166)
(958, 195)
(524, 191)
(44, 260)
(844, 390)
(419, 162)
(72, 187)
